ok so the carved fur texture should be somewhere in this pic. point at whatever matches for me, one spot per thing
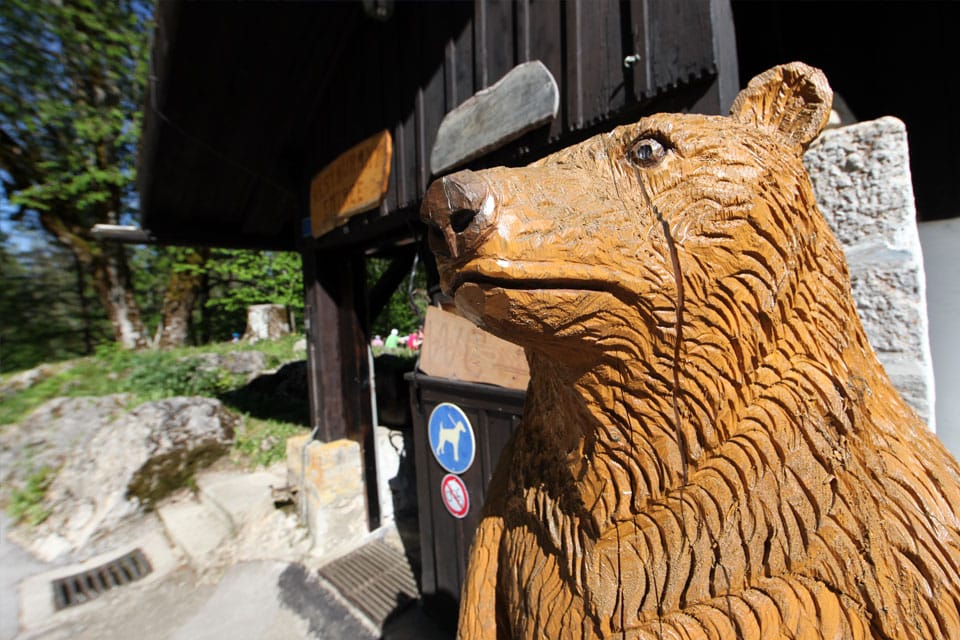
(709, 448)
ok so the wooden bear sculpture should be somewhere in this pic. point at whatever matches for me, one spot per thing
(709, 447)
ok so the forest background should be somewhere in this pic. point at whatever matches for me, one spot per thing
(74, 79)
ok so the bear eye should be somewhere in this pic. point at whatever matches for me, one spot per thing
(646, 152)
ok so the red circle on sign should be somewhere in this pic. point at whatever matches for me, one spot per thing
(455, 496)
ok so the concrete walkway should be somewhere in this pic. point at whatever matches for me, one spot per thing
(15, 565)
(226, 564)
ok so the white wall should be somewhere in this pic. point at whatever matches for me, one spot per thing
(941, 258)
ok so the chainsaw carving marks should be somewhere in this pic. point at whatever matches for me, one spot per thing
(709, 447)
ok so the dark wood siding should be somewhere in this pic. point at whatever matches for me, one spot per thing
(249, 100)
(430, 57)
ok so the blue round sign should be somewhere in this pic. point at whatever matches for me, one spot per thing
(451, 437)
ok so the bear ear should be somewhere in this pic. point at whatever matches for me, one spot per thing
(792, 99)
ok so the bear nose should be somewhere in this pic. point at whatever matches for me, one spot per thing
(458, 209)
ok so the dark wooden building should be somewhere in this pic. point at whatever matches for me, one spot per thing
(248, 101)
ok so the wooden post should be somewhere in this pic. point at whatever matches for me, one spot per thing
(338, 367)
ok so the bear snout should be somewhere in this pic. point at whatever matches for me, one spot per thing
(460, 210)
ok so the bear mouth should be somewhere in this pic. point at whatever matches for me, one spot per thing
(544, 277)
(531, 284)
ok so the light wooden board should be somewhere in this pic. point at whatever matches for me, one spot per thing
(453, 347)
(355, 182)
(522, 100)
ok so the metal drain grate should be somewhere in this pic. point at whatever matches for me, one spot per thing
(376, 578)
(84, 587)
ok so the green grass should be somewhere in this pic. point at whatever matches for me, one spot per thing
(154, 375)
(147, 375)
(26, 504)
(264, 442)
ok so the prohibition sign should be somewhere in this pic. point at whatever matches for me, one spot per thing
(455, 496)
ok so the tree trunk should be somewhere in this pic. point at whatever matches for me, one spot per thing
(180, 298)
(266, 322)
(111, 280)
(106, 265)
(84, 310)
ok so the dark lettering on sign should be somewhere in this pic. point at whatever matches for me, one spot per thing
(355, 182)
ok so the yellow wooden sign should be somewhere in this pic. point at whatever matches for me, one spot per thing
(355, 182)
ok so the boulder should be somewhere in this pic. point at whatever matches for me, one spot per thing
(28, 378)
(249, 363)
(300, 346)
(125, 466)
(51, 433)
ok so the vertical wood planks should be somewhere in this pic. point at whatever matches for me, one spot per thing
(573, 64)
(499, 47)
(407, 73)
(546, 45)
(681, 44)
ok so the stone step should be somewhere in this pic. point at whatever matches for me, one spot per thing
(241, 498)
(198, 529)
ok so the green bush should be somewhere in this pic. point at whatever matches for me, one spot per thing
(161, 375)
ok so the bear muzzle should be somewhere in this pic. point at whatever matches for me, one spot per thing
(460, 210)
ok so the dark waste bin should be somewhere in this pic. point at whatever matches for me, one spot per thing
(493, 413)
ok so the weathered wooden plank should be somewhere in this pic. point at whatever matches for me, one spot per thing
(725, 53)
(454, 348)
(573, 65)
(499, 49)
(681, 42)
(639, 56)
(546, 45)
(431, 98)
(356, 181)
(323, 354)
(520, 101)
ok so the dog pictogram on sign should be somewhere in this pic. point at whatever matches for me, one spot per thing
(451, 437)
(455, 496)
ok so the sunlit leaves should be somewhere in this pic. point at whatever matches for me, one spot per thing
(72, 79)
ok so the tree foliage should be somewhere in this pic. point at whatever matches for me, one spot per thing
(72, 78)
(238, 278)
(45, 309)
(406, 308)
(247, 277)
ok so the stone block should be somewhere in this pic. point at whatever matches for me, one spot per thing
(332, 499)
(861, 176)
(295, 458)
(198, 529)
(241, 498)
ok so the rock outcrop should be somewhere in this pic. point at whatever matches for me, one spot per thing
(122, 464)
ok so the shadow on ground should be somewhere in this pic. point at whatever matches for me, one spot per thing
(282, 395)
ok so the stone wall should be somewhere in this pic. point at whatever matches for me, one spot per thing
(861, 176)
